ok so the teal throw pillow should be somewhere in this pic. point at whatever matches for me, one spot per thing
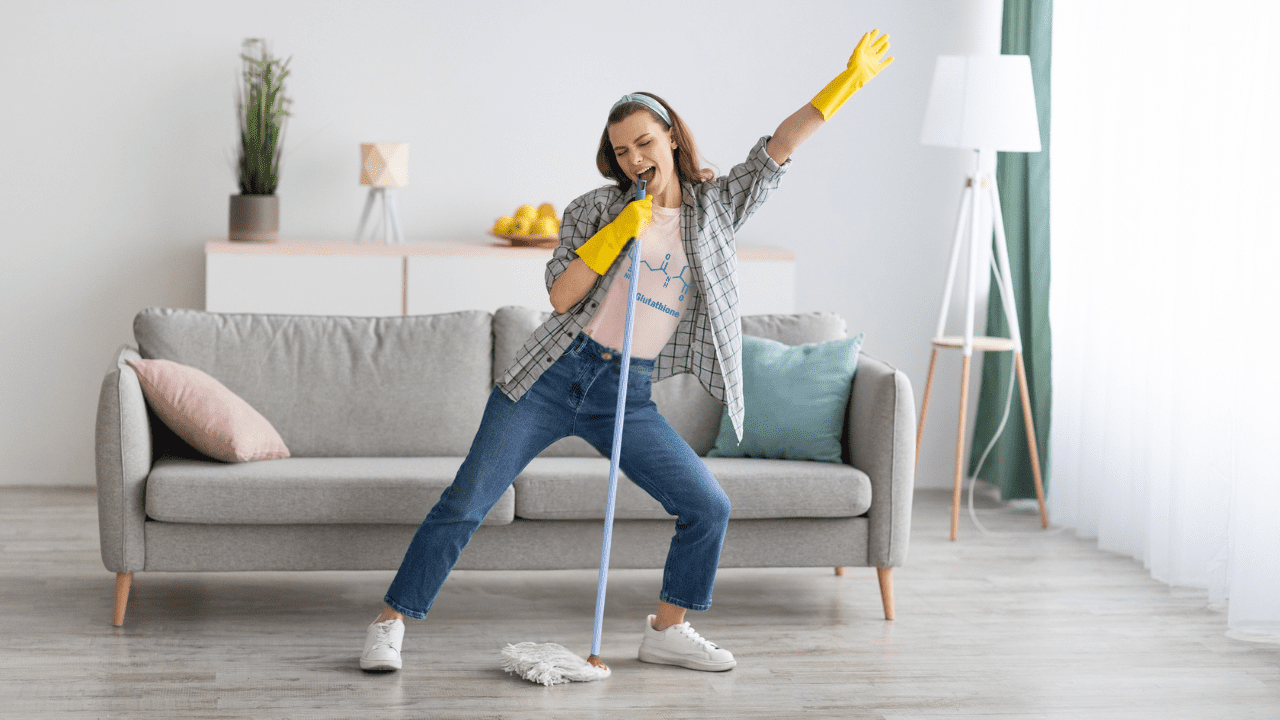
(796, 398)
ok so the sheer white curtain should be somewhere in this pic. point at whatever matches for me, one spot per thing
(1165, 302)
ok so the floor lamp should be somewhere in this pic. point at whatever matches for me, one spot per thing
(983, 103)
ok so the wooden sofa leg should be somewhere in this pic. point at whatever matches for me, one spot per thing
(840, 571)
(123, 581)
(886, 590)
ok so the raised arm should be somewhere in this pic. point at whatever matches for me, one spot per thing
(793, 131)
(867, 60)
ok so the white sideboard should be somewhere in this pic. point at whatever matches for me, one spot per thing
(424, 278)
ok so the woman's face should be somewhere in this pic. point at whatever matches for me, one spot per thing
(644, 151)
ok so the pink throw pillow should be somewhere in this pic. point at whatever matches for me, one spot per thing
(202, 411)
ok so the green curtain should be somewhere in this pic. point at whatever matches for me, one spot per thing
(1023, 181)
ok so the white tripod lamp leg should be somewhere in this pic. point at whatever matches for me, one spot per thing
(395, 216)
(975, 261)
(1005, 276)
(364, 216)
(386, 218)
(971, 286)
(961, 218)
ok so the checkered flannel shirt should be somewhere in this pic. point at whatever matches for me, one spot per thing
(708, 340)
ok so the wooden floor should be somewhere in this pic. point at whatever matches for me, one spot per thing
(1046, 627)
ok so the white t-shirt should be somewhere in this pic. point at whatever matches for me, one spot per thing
(666, 282)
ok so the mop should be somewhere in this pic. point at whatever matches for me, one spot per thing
(550, 663)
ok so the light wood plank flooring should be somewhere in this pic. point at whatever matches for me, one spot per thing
(1046, 627)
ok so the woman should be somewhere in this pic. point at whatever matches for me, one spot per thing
(564, 380)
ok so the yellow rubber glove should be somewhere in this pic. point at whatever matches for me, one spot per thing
(867, 60)
(604, 247)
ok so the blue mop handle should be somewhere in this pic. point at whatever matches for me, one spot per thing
(617, 436)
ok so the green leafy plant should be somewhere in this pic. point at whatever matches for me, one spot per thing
(261, 107)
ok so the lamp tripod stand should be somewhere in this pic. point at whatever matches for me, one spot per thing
(390, 226)
(980, 189)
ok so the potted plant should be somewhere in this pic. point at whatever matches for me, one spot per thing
(261, 109)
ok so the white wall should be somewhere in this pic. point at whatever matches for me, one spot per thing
(119, 128)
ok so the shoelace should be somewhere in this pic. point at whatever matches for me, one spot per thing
(687, 630)
(382, 635)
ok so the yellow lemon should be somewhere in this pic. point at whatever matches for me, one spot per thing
(521, 226)
(526, 211)
(503, 226)
(546, 210)
(544, 226)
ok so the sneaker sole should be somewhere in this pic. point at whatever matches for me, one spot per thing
(379, 665)
(661, 657)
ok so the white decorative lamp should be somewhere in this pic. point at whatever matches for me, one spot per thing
(384, 167)
(984, 103)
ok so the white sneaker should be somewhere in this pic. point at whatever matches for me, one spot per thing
(682, 645)
(382, 646)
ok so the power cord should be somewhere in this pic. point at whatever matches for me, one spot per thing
(1008, 403)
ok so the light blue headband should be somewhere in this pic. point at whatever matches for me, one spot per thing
(648, 102)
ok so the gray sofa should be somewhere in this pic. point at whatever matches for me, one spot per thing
(379, 413)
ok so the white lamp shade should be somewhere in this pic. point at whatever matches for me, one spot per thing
(982, 102)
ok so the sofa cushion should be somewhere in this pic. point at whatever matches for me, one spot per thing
(204, 413)
(577, 488)
(396, 490)
(412, 386)
(796, 398)
(796, 329)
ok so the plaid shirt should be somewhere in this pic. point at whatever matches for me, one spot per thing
(708, 340)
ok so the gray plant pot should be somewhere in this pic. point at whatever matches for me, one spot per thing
(255, 218)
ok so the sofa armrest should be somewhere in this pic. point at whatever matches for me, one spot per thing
(880, 435)
(123, 449)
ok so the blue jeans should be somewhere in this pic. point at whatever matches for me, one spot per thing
(577, 395)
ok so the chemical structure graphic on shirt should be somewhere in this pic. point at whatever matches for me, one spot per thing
(684, 284)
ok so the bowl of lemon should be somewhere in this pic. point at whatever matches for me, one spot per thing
(529, 226)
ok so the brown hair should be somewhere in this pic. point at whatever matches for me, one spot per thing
(685, 153)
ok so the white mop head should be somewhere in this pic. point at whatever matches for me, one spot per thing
(549, 664)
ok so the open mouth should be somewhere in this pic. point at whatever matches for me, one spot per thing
(647, 175)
